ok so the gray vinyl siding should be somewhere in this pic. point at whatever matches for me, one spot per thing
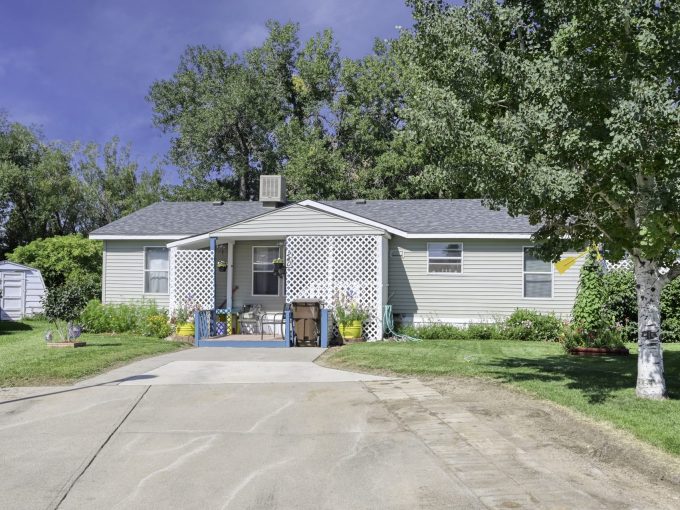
(490, 285)
(243, 279)
(298, 220)
(124, 272)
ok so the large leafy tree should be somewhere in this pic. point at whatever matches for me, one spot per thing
(332, 126)
(112, 185)
(39, 196)
(229, 112)
(568, 112)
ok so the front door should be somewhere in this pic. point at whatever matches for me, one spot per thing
(12, 300)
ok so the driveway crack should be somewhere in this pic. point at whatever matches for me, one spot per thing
(61, 497)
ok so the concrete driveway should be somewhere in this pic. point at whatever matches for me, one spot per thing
(267, 428)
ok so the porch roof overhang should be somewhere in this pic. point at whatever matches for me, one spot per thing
(203, 240)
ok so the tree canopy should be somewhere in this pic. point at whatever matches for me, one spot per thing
(567, 112)
(49, 189)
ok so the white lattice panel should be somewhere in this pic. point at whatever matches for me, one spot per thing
(192, 275)
(318, 266)
(625, 264)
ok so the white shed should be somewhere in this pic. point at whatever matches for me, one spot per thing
(21, 291)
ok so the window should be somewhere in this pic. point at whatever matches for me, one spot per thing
(538, 276)
(444, 257)
(265, 283)
(156, 270)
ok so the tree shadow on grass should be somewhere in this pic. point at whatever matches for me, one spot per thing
(597, 378)
(7, 327)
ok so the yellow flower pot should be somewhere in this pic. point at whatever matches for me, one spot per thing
(350, 331)
(186, 329)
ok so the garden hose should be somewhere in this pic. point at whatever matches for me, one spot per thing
(388, 323)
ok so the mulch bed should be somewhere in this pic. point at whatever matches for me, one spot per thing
(599, 351)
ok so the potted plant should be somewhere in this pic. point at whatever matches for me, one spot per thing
(183, 317)
(349, 315)
(221, 266)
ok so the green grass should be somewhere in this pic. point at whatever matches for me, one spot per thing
(25, 360)
(601, 388)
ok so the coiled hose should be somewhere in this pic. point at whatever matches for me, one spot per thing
(388, 324)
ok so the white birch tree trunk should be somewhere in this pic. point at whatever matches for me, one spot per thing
(650, 377)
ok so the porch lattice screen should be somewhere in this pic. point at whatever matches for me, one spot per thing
(191, 274)
(318, 266)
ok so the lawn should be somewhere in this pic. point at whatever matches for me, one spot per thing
(25, 360)
(601, 388)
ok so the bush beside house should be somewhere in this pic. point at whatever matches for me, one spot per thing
(64, 259)
(607, 300)
(145, 319)
(522, 324)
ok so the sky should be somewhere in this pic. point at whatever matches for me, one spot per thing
(81, 69)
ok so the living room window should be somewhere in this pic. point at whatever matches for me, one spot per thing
(538, 276)
(155, 270)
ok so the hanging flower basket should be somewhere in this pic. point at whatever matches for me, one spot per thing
(279, 268)
(221, 266)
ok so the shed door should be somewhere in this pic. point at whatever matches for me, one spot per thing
(12, 301)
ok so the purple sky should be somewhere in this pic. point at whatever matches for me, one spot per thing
(81, 69)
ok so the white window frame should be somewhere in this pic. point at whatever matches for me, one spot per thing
(252, 271)
(145, 270)
(551, 273)
(443, 273)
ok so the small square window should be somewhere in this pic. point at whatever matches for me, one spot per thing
(444, 257)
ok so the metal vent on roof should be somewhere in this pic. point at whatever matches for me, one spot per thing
(360, 201)
(218, 202)
(272, 188)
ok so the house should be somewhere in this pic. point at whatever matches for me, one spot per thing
(433, 260)
(21, 291)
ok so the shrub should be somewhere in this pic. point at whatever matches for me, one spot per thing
(670, 329)
(591, 295)
(617, 300)
(621, 302)
(144, 318)
(156, 326)
(482, 331)
(64, 304)
(62, 259)
(526, 324)
(605, 334)
(433, 331)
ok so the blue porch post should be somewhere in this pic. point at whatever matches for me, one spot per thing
(289, 331)
(323, 340)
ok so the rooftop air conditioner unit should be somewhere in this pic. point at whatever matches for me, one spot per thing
(272, 189)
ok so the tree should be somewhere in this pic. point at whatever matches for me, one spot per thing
(112, 184)
(39, 196)
(567, 112)
(64, 259)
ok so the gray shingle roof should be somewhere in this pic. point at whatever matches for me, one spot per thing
(188, 218)
(413, 216)
(463, 216)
